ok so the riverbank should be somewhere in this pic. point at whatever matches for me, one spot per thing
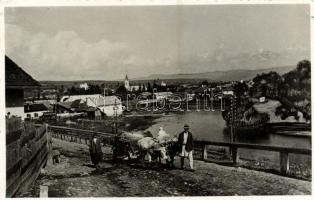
(129, 123)
(75, 177)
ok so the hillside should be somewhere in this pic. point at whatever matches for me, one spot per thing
(240, 74)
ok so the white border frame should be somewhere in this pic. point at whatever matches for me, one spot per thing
(73, 3)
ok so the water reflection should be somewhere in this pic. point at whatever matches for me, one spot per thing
(256, 136)
(209, 125)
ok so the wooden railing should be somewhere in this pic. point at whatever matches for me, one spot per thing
(83, 136)
(78, 135)
(284, 151)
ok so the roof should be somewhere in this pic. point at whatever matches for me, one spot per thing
(76, 103)
(146, 93)
(163, 93)
(201, 90)
(16, 76)
(34, 107)
(79, 106)
(65, 105)
(92, 99)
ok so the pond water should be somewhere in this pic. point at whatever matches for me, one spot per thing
(209, 125)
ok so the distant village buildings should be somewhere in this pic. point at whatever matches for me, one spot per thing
(84, 86)
(95, 105)
(162, 95)
(108, 105)
(130, 87)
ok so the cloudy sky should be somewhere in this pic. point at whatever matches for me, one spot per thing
(105, 43)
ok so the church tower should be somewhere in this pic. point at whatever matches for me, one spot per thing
(127, 82)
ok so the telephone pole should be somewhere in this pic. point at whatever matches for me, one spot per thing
(115, 109)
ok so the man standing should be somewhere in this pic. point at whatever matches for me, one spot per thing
(95, 151)
(186, 145)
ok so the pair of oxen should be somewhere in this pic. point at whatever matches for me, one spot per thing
(130, 146)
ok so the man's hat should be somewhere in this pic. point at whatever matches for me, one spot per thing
(186, 126)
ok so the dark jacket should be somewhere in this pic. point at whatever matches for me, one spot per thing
(189, 143)
(95, 147)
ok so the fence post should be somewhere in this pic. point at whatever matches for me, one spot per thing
(204, 153)
(284, 162)
(235, 155)
(43, 191)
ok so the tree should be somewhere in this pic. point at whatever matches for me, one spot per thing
(149, 88)
(267, 84)
(155, 84)
(140, 88)
(205, 83)
(240, 88)
(73, 91)
(143, 88)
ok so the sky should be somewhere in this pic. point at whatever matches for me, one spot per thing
(105, 43)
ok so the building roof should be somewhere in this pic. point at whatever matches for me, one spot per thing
(201, 90)
(93, 99)
(65, 105)
(34, 108)
(16, 76)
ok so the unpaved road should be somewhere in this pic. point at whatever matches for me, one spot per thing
(75, 177)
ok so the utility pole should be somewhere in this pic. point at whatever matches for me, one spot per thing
(212, 98)
(115, 109)
(154, 89)
(222, 108)
(233, 120)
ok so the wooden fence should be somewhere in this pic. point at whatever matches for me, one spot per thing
(83, 136)
(78, 135)
(24, 160)
(283, 151)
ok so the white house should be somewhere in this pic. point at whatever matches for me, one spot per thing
(227, 92)
(34, 111)
(84, 86)
(108, 105)
(162, 95)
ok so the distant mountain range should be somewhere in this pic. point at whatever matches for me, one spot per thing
(230, 75)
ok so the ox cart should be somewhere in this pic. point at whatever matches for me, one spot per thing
(147, 151)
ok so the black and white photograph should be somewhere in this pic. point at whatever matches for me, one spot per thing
(169, 100)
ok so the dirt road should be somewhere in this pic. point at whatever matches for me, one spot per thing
(75, 177)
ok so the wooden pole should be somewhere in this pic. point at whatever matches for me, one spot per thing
(43, 191)
(284, 162)
(204, 153)
(235, 155)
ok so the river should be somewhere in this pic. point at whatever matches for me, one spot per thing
(209, 125)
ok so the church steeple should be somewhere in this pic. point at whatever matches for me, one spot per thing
(127, 82)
